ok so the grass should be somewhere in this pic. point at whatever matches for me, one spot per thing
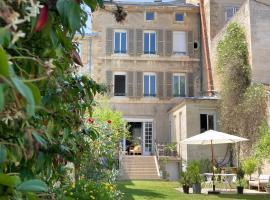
(142, 190)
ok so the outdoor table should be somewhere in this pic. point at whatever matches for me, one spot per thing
(228, 178)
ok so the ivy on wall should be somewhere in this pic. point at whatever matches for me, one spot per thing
(243, 104)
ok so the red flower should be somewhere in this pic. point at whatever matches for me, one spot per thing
(90, 120)
(42, 19)
(109, 121)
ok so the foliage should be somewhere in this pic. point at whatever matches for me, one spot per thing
(240, 173)
(87, 190)
(42, 100)
(249, 165)
(262, 147)
(194, 168)
(241, 182)
(185, 178)
(110, 130)
(242, 105)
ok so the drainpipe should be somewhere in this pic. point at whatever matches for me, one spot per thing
(210, 85)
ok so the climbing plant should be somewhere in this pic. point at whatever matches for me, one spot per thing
(242, 104)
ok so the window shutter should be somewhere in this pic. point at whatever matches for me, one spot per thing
(130, 84)
(160, 80)
(109, 77)
(160, 43)
(131, 49)
(139, 92)
(190, 44)
(190, 80)
(168, 43)
(109, 41)
(139, 38)
(169, 84)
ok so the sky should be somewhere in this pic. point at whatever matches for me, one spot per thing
(88, 28)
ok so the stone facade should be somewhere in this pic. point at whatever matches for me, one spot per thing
(134, 105)
(185, 119)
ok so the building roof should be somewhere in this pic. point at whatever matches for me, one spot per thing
(187, 100)
(181, 3)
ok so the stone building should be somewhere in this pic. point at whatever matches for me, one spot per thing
(153, 64)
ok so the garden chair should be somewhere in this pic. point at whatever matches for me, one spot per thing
(136, 150)
(260, 183)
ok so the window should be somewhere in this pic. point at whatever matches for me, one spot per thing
(229, 12)
(119, 85)
(207, 122)
(120, 42)
(149, 16)
(179, 43)
(179, 17)
(149, 42)
(179, 85)
(149, 81)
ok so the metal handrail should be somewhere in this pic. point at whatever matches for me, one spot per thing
(156, 150)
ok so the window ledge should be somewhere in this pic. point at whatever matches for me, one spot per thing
(149, 55)
(120, 55)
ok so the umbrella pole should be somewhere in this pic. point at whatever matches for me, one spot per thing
(213, 169)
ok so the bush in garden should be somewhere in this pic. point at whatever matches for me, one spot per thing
(87, 190)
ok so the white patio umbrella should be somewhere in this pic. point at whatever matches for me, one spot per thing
(211, 137)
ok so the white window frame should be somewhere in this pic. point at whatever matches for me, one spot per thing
(149, 20)
(120, 31)
(150, 74)
(150, 42)
(235, 9)
(185, 42)
(179, 74)
(124, 74)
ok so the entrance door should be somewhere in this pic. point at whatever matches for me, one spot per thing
(147, 138)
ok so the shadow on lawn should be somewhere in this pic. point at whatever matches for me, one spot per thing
(149, 194)
(129, 193)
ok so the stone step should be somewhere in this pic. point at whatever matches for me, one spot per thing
(139, 177)
(138, 168)
(145, 174)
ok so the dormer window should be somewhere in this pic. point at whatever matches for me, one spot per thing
(179, 17)
(149, 16)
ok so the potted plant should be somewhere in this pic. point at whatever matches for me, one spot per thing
(185, 181)
(249, 166)
(196, 179)
(241, 183)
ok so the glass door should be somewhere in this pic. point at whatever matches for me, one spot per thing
(147, 138)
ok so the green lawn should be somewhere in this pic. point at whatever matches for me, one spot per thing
(140, 190)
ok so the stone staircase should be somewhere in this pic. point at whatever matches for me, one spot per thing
(139, 167)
